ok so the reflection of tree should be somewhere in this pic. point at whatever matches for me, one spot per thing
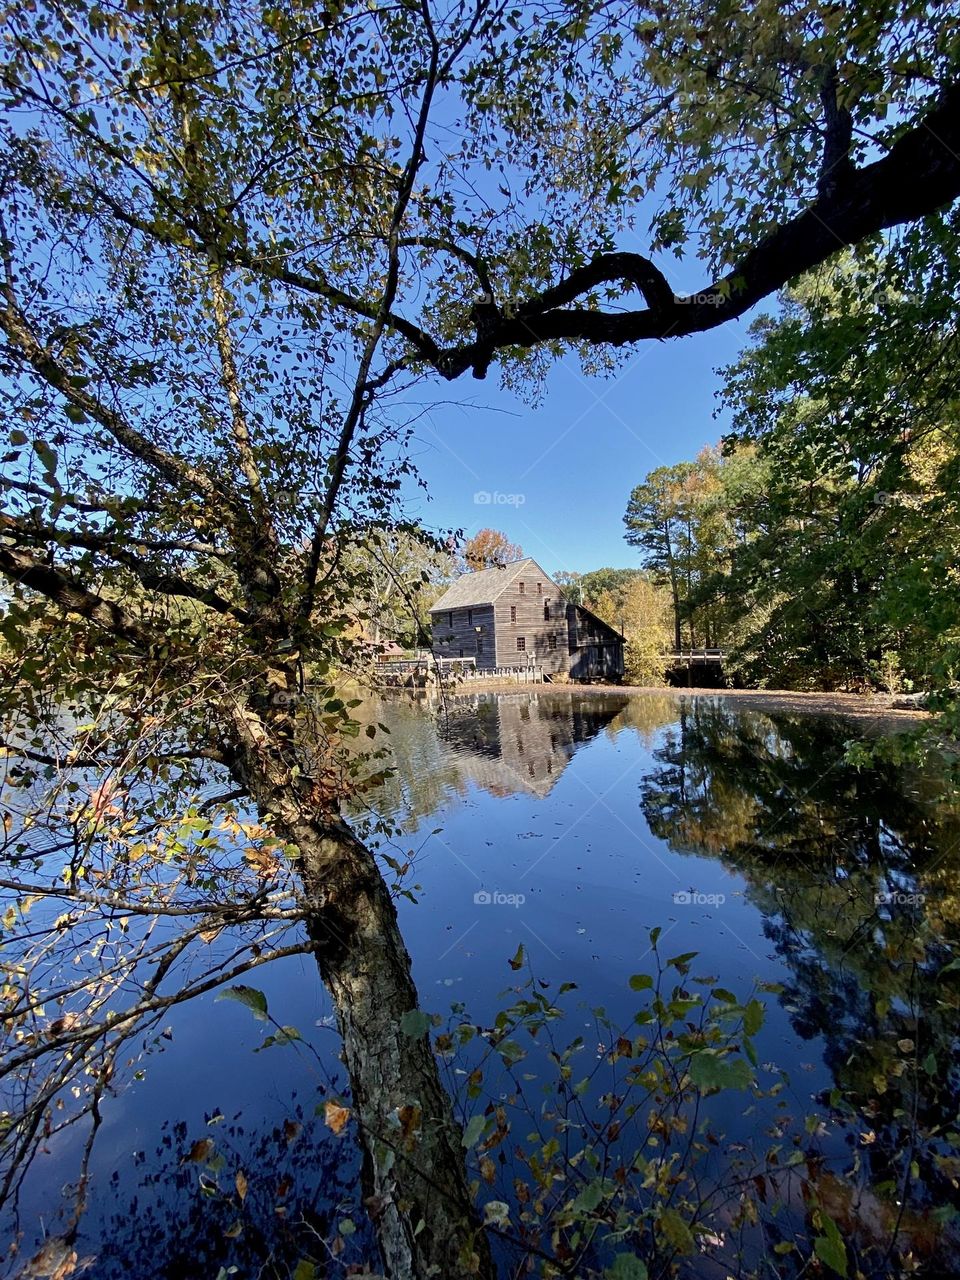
(821, 845)
(646, 713)
(187, 1217)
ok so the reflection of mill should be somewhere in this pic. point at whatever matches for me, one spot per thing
(508, 743)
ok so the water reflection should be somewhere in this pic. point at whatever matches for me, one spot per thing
(852, 876)
(855, 873)
(508, 745)
(842, 886)
(502, 743)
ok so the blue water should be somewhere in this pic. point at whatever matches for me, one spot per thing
(571, 824)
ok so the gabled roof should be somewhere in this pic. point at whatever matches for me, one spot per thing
(485, 586)
(582, 608)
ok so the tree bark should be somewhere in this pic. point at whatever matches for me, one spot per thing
(414, 1172)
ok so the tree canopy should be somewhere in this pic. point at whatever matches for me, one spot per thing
(231, 240)
(820, 547)
(488, 549)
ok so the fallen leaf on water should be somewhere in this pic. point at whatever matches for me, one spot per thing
(335, 1116)
(241, 1184)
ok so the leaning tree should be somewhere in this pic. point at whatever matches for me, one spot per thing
(232, 238)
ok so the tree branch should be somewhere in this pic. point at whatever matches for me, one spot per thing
(836, 167)
(918, 175)
(71, 595)
(173, 468)
(168, 584)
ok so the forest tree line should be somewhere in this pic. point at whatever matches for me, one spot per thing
(817, 545)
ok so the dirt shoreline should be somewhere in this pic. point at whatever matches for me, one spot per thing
(855, 705)
(875, 707)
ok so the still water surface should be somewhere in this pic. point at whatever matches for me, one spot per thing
(573, 824)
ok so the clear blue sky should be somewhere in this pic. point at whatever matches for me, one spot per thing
(574, 457)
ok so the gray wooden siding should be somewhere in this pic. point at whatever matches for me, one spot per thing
(455, 634)
(596, 650)
(530, 624)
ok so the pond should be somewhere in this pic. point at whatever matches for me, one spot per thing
(557, 829)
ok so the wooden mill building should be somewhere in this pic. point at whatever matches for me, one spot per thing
(515, 616)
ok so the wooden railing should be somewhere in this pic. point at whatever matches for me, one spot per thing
(455, 670)
(520, 675)
(697, 655)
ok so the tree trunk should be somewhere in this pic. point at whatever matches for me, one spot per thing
(414, 1173)
(415, 1180)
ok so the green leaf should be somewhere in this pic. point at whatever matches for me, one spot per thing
(641, 982)
(707, 1071)
(254, 1000)
(676, 1232)
(753, 1017)
(511, 1052)
(626, 1266)
(589, 1198)
(830, 1248)
(721, 993)
(286, 1035)
(475, 1127)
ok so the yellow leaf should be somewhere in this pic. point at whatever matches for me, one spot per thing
(335, 1116)
(240, 1182)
